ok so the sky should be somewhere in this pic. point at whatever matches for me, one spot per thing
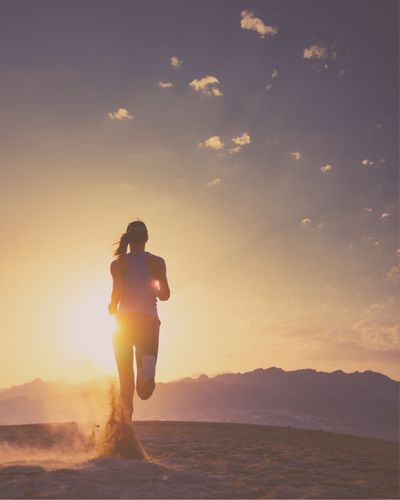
(258, 140)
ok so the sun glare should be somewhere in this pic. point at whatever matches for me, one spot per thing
(90, 329)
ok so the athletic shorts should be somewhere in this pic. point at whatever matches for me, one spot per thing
(140, 331)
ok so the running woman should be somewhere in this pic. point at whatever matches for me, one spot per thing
(139, 279)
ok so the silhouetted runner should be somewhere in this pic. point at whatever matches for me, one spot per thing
(139, 278)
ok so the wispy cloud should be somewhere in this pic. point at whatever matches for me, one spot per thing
(326, 168)
(320, 55)
(378, 329)
(120, 114)
(175, 62)
(296, 155)
(367, 163)
(250, 22)
(213, 142)
(164, 85)
(234, 150)
(316, 51)
(214, 182)
(369, 240)
(208, 85)
(394, 274)
(308, 222)
(274, 74)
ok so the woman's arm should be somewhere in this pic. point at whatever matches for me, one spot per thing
(164, 291)
(158, 270)
(116, 288)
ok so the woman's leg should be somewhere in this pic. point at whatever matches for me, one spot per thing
(123, 351)
(146, 351)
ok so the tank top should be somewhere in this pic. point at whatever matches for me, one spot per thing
(137, 290)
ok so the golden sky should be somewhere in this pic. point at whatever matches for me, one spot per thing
(263, 161)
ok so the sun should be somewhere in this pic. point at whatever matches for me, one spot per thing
(90, 328)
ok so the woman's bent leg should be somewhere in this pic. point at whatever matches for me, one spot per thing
(146, 351)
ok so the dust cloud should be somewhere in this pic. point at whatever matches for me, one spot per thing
(119, 440)
(67, 444)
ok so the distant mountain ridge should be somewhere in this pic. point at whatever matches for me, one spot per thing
(364, 403)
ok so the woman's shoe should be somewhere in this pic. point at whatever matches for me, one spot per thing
(145, 382)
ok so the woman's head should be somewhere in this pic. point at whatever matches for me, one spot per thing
(135, 234)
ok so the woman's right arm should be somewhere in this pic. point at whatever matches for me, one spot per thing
(116, 287)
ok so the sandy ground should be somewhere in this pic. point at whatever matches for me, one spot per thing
(196, 460)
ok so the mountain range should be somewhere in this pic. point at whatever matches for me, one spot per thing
(361, 403)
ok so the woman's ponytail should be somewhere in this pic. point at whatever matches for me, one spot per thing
(122, 245)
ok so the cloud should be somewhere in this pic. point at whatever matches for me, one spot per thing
(394, 274)
(250, 22)
(307, 222)
(367, 162)
(269, 86)
(242, 140)
(296, 155)
(213, 142)
(378, 328)
(164, 85)
(274, 73)
(372, 335)
(214, 182)
(217, 144)
(120, 114)
(368, 209)
(316, 51)
(326, 168)
(385, 216)
(209, 86)
(175, 62)
(321, 56)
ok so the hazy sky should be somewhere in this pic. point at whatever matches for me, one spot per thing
(257, 140)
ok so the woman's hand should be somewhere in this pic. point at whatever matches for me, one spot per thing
(112, 309)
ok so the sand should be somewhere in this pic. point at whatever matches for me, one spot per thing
(196, 460)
